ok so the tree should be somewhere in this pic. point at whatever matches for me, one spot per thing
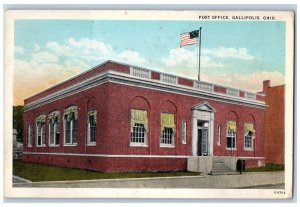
(18, 121)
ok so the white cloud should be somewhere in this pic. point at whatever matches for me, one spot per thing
(44, 57)
(19, 50)
(36, 47)
(221, 52)
(90, 50)
(37, 76)
(187, 59)
(130, 56)
(249, 82)
(60, 50)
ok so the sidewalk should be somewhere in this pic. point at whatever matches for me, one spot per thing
(245, 180)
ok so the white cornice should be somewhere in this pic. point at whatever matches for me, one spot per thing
(127, 79)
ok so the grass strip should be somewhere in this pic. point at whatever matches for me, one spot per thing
(39, 172)
(268, 167)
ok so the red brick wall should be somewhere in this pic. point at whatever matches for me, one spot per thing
(113, 103)
(220, 89)
(111, 164)
(242, 94)
(186, 82)
(274, 124)
(155, 75)
(260, 97)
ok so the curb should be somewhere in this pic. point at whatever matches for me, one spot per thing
(22, 179)
(113, 180)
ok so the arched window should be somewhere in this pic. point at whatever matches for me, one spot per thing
(54, 128)
(40, 130)
(139, 127)
(249, 133)
(139, 107)
(92, 127)
(71, 124)
(168, 111)
(167, 129)
(231, 135)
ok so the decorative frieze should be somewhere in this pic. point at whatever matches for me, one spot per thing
(203, 86)
(140, 72)
(233, 92)
(168, 78)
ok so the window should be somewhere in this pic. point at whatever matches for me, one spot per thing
(92, 120)
(40, 130)
(29, 133)
(70, 123)
(231, 135)
(139, 126)
(249, 136)
(54, 128)
(183, 136)
(167, 129)
(219, 135)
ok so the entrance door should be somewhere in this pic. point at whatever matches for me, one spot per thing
(202, 146)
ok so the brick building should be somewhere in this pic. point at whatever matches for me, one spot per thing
(274, 123)
(118, 117)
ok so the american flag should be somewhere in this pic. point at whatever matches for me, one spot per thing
(189, 38)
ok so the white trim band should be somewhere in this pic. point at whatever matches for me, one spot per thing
(127, 79)
(122, 156)
(106, 155)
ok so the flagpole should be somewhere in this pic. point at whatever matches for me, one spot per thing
(199, 52)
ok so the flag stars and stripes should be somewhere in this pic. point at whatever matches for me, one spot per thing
(189, 38)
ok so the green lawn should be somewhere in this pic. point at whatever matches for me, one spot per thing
(38, 172)
(268, 167)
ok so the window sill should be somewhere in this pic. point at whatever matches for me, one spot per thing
(70, 145)
(167, 146)
(183, 142)
(54, 145)
(231, 149)
(41, 145)
(29, 146)
(91, 144)
(248, 149)
(138, 145)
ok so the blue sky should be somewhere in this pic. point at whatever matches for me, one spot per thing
(249, 50)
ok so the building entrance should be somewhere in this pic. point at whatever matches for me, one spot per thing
(202, 145)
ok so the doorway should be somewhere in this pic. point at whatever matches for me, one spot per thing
(202, 146)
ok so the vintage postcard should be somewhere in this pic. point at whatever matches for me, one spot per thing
(149, 104)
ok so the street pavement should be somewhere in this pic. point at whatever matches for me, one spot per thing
(259, 180)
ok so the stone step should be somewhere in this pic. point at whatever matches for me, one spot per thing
(219, 168)
(224, 173)
(219, 163)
